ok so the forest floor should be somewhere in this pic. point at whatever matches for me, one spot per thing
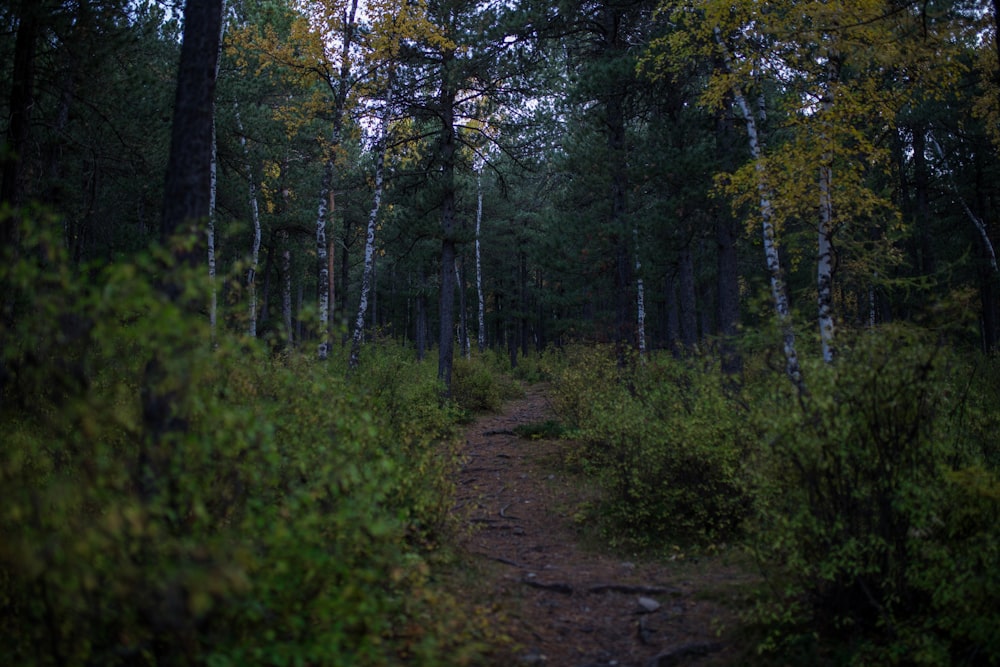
(560, 596)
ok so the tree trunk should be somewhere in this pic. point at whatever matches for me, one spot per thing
(187, 191)
(727, 273)
(618, 225)
(369, 268)
(187, 195)
(446, 154)
(673, 315)
(326, 185)
(213, 305)
(688, 301)
(778, 291)
(286, 290)
(420, 334)
(481, 332)
(922, 211)
(463, 322)
(977, 223)
(640, 297)
(824, 264)
(22, 101)
(255, 220)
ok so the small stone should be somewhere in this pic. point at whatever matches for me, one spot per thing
(648, 605)
(533, 657)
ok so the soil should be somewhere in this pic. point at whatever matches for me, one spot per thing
(561, 597)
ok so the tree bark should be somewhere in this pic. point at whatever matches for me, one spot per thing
(481, 332)
(420, 333)
(213, 305)
(778, 291)
(22, 101)
(326, 185)
(446, 155)
(977, 223)
(463, 321)
(255, 220)
(640, 296)
(286, 290)
(688, 301)
(187, 195)
(369, 268)
(188, 184)
(824, 263)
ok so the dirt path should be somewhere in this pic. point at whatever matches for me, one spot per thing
(563, 602)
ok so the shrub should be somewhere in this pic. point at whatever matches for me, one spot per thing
(665, 442)
(867, 536)
(477, 386)
(289, 519)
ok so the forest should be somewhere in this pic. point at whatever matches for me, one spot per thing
(262, 260)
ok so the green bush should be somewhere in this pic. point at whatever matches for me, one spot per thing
(871, 542)
(665, 442)
(478, 386)
(285, 517)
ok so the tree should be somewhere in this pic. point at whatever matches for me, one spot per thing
(187, 194)
(369, 267)
(457, 73)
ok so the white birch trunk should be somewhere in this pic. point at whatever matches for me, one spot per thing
(871, 303)
(366, 280)
(326, 187)
(824, 259)
(778, 292)
(824, 270)
(324, 277)
(976, 222)
(640, 297)
(481, 332)
(213, 305)
(255, 219)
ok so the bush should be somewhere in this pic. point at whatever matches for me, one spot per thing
(476, 386)
(287, 520)
(870, 540)
(665, 442)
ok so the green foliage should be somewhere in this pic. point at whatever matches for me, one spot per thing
(664, 440)
(875, 531)
(478, 386)
(872, 504)
(292, 515)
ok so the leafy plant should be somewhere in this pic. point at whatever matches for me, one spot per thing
(665, 442)
(860, 513)
(291, 519)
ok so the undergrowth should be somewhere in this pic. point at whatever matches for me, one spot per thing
(291, 515)
(871, 504)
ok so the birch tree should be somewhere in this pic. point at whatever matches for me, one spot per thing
(836, 70)
(379, 151)
(775, 274)
(251, 279)
(334, 23)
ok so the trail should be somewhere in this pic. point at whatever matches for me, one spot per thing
(564, 601)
